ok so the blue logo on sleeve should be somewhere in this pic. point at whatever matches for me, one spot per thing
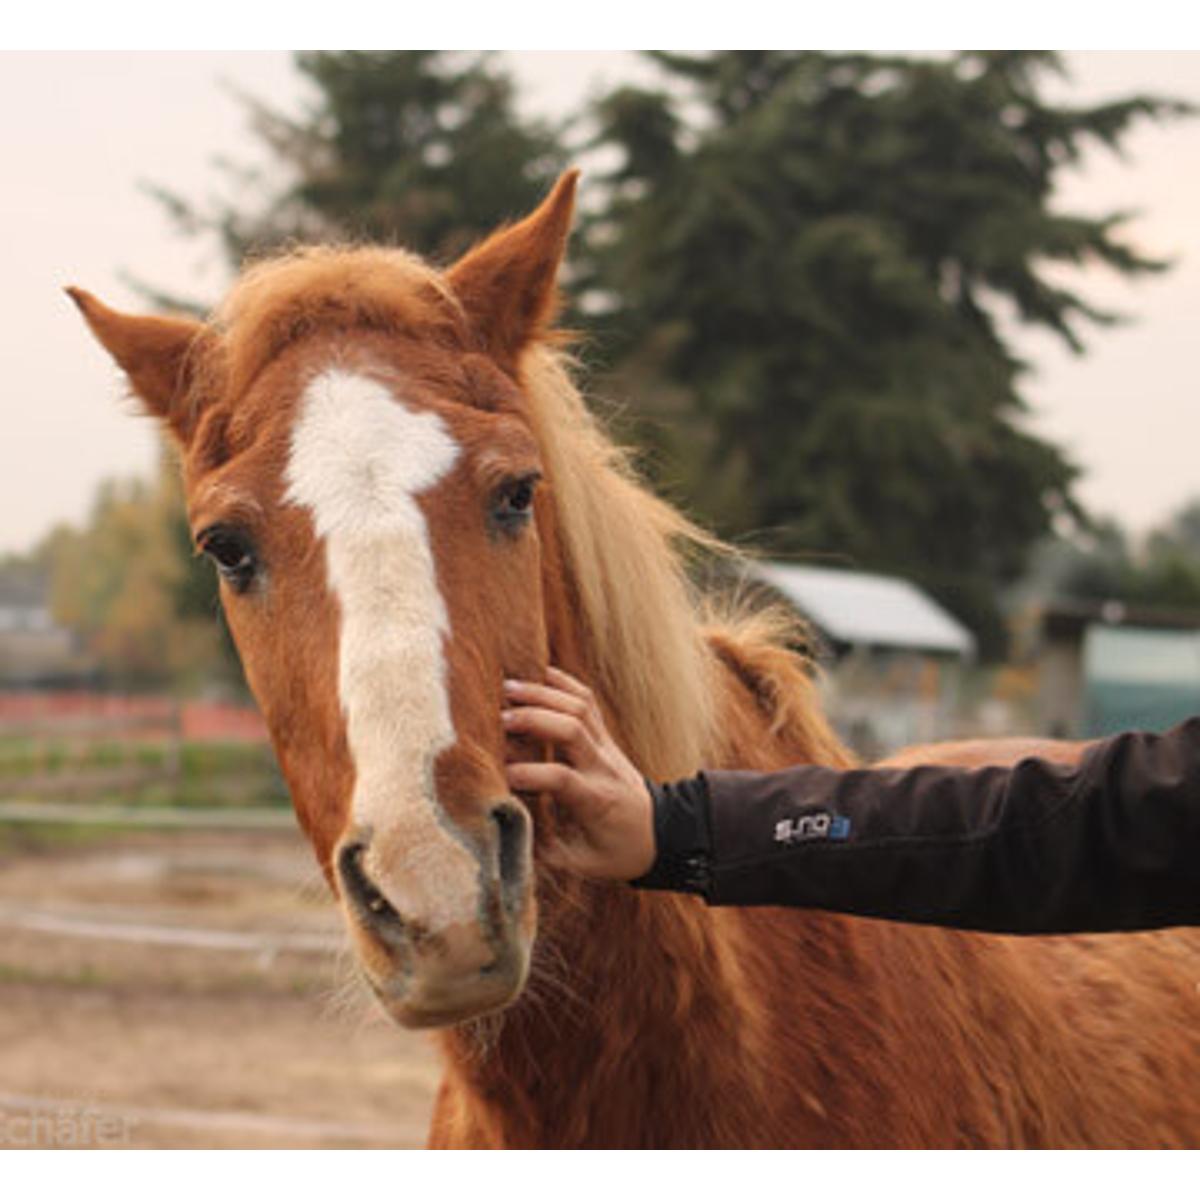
(839, 829)
(811, 827)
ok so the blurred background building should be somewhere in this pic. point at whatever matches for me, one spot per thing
(894, 660)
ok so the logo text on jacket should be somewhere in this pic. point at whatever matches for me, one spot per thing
(813, 827)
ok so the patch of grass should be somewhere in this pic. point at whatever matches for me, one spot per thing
(32, 838)
(193, 774)
(195, 758)
(84, 976)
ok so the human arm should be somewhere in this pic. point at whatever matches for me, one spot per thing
(1038, 847)
(1111, 843)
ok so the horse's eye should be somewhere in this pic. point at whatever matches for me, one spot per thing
(232, 554)
(520, 499)
(512, 505)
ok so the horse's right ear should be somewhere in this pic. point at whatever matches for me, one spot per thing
(158, 354)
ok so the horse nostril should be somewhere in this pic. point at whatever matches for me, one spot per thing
(512, 840)
(361, 892)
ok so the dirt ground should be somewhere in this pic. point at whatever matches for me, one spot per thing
(189, 990)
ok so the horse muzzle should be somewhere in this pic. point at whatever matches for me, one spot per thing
(435, 957)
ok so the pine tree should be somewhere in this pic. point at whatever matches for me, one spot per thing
(801, 265)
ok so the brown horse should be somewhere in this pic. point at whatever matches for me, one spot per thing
(407, 501)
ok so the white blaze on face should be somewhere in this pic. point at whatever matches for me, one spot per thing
(358, 459)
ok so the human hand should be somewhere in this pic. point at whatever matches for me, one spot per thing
(612, 835)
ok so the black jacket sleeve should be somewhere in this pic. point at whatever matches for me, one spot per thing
(1112, 844)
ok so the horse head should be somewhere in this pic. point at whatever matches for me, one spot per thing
(361, 467)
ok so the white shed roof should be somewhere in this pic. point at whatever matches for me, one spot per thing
(872, 610)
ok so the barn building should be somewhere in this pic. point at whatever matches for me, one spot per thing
(894, 659)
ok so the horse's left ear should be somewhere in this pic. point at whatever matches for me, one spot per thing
(507, 284)
(158, 354)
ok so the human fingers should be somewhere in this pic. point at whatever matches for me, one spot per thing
(568, 683)
(557, 778)
(540, 695)
(560, 729)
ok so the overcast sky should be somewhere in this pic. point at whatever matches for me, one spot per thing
(78, 132)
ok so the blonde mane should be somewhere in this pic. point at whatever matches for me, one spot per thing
(626, 553)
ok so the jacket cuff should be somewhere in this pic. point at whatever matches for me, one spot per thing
(682, 838)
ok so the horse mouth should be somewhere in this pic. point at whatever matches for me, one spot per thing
(424, 1007)
(432, 1001)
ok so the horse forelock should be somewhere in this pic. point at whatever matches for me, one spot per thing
(281, 300)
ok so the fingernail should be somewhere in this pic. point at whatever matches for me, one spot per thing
(506, 715)
(512, 685)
